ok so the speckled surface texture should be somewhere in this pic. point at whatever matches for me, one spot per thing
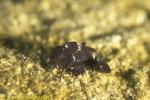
(119, 30)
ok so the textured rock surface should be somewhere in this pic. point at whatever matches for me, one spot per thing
(118, 29)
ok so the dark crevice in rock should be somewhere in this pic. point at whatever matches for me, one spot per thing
(32, 49)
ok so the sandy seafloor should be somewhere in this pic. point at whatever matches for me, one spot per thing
(118, 29)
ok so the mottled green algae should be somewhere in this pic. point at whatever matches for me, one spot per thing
(118, 29)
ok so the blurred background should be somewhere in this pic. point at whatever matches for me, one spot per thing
(68, 20)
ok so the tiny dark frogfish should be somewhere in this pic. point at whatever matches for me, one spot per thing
(76, 57)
